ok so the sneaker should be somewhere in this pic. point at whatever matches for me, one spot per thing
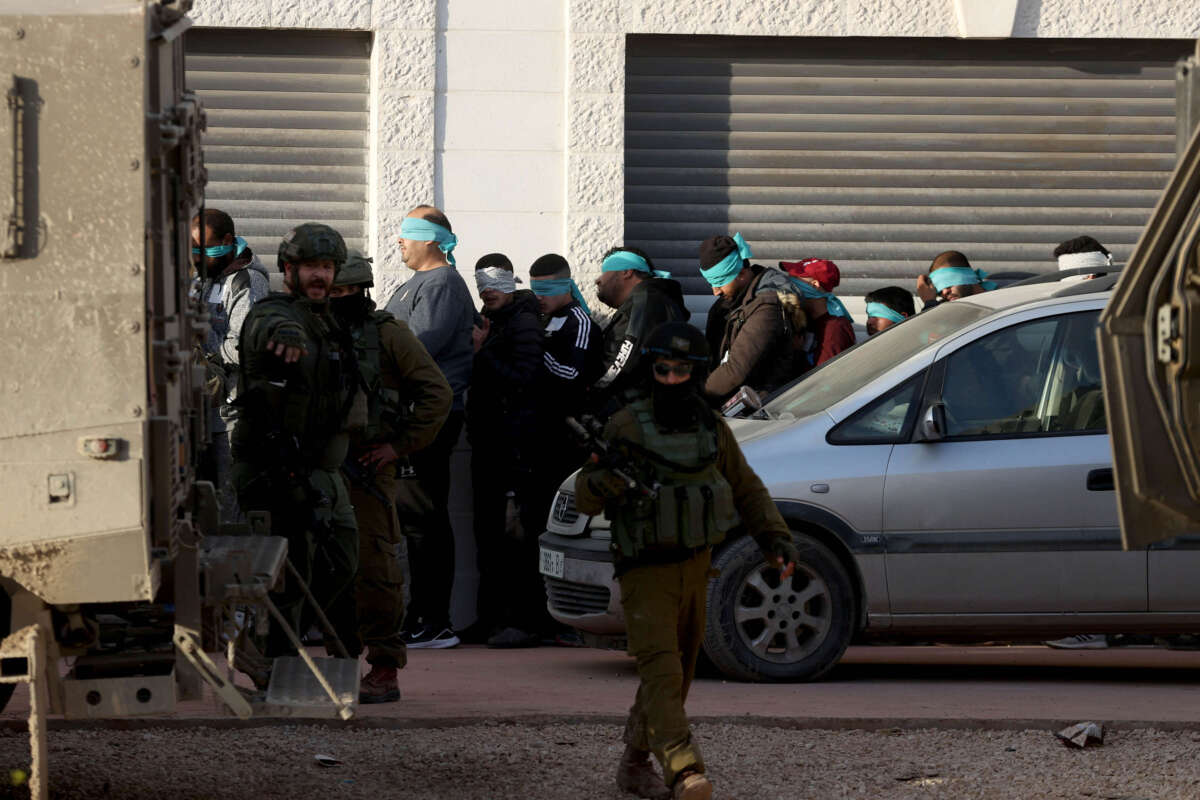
(380, 685)
(1080, 641)
(636, 775)
(512, 638)
(692, 786)
(430, 638)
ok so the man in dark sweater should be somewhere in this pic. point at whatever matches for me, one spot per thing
(643, 298)
(438, 308)
(501, 426)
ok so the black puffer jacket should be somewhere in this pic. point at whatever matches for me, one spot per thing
(500, 409)
(651, 303)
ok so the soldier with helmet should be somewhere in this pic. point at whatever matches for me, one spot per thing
(406, 400)
(295, 385)
(694, 490)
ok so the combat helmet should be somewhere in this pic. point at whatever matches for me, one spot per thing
(356, 271)
(678, 340)
(309, 241)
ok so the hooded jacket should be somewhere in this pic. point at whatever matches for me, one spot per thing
(500, 410)
(228, 298)
(756, 347)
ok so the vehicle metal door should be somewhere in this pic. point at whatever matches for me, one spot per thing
(1009, 507)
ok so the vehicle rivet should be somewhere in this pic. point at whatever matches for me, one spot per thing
(133, 326)
(135, 269)
(135, 411)
(19, 33)
(134, 164)
(134, 61)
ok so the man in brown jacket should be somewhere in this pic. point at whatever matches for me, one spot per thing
(401, 403)
(754, 324)
(662, 543)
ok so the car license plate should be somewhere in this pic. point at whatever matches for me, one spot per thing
(552, 563)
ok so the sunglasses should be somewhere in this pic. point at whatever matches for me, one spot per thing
(663, 369)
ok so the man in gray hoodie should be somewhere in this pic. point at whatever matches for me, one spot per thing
(229, 279)
(437, 305)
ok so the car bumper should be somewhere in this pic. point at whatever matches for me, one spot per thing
(587, 595)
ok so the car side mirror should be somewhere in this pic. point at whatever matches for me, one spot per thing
(933, 424)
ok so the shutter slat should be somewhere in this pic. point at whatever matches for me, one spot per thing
(287, 129)
(880, 153)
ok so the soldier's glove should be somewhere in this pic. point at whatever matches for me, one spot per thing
(604, 483)
(289, 334)
(783, 548)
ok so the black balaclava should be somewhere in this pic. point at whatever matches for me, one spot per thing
(352, 309)
(679, 406)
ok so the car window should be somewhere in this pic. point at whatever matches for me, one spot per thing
(837, 379)
(993, 385)
(884, 420)
(1034, 378)
(1074, 399)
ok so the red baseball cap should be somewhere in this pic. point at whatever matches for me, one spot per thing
(823, 270)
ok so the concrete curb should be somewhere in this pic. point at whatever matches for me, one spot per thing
(537, 720)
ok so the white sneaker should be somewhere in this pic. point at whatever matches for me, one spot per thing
(1080, 641)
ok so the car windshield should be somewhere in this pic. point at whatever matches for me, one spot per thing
(836, 380)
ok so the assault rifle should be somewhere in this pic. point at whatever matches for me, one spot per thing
(612, 455)
(363, 478)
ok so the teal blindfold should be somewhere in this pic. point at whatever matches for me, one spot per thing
(622, 260)
(832, 304)
(724, 271)
(216, 251)
(553, 287)
(946, 277)
(422, 230)
(883, 312)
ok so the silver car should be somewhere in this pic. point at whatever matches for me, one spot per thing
(951, 477)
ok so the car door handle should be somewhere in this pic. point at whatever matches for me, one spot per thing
(1100, 480)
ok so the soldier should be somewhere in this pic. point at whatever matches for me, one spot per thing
(644, 298)
(407, 399)
(662, 544)
(229, 279)
(294, 387)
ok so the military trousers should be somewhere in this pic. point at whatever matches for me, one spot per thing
(664, 608)
(318, 523)
(370, 616)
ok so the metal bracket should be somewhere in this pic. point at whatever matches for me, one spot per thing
(188, 643)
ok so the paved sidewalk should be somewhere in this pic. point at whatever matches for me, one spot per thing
(872, 687)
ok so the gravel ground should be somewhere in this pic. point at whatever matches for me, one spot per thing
(577, 760)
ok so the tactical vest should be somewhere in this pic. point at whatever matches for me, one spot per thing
(378, 411)
(308, 410)
(695, 505)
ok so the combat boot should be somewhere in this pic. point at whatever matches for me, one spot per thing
(636, 775)
(692, 786)
(379, 686)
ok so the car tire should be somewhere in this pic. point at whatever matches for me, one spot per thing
(760, 629)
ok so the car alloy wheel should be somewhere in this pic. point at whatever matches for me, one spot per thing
(783, 621)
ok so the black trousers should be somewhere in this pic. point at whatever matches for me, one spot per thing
(511, 592)
(422, 505)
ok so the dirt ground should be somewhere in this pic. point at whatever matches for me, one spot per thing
(500, 760)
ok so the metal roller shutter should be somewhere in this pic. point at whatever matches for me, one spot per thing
(287, 129)
(880, 153)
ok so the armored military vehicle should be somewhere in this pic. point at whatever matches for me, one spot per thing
(109, 546)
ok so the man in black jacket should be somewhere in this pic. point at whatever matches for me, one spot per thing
(643, 298)
(501, 427)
